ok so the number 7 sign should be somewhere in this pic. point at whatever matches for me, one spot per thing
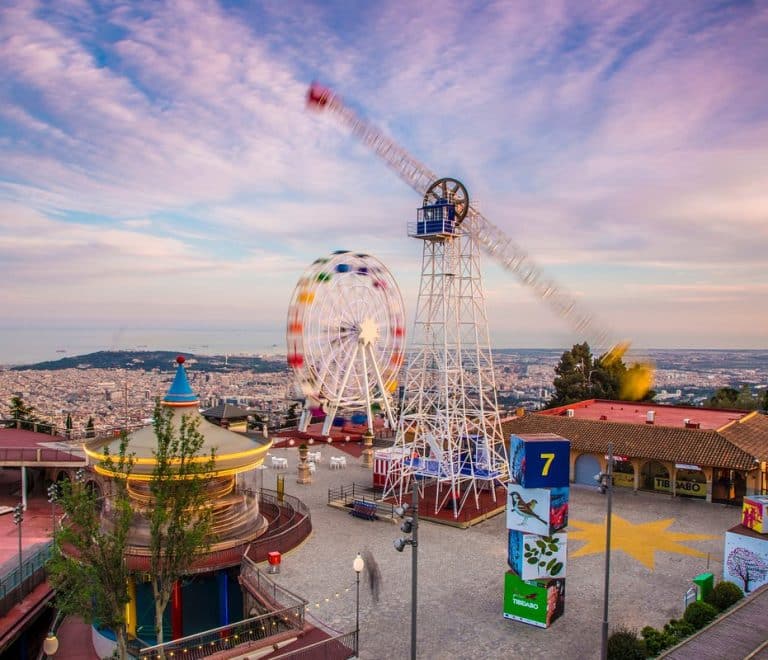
(539, 460)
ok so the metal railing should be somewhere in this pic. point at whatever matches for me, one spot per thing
(346, 495)
(277, 595)
(291, 525)
(13, 583)
(233, 635)
(61, 432)
(288, 616)
(339, 647)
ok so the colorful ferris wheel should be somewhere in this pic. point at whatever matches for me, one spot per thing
(346, 337)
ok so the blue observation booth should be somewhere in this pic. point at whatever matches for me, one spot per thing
(435, 221)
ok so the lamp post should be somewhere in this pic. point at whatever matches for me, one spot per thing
(53, 495)
(51, 644)
(358, 565)
(609, 489)
(18, 518)
(410, 525)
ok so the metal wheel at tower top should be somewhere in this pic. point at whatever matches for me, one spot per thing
(346, 337)
(451, 191)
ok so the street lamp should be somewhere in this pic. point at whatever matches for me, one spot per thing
(358, 565)
(50, 644)
(410, 525)
(609, 490)
(53, 495)
(18, 518)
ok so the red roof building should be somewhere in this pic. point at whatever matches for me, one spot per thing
(717, 455)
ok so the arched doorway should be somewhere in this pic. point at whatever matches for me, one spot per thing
(654, 476)
(728, 486)
(587, 466)
(690, 481)
(623, 474)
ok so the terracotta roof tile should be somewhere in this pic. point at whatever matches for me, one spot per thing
(676, 445)
(749, 434)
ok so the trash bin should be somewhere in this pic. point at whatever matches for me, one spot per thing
(274, 562)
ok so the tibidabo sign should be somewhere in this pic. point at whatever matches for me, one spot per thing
(692, 488)
(538, 602)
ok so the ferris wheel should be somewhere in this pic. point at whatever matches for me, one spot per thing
(346, 336)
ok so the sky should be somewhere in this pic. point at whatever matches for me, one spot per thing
(161, 174)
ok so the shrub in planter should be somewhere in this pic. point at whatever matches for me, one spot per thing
(655, 640)
(624, 644)
(699, 614)
(677, 630)
(724, 595)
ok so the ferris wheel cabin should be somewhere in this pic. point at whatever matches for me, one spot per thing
(434, 221)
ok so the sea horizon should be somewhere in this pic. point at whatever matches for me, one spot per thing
(31, 345)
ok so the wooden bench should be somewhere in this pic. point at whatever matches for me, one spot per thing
(363, 509)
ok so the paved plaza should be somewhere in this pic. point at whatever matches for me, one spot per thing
(663, 543)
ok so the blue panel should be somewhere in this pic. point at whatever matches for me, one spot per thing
(221, 578)
(515, 551)
(539, 462)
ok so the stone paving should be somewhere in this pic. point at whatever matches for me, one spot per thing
(461, 574)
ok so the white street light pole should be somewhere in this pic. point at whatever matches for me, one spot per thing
(358, 565)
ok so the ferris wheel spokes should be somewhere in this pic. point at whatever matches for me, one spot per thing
(346, 337)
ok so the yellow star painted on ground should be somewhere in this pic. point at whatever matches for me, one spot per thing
(640, 541)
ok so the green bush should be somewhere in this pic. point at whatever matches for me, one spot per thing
(724, 595)
(699, 614)
(655, 640)
(624, 644)
(678, 630)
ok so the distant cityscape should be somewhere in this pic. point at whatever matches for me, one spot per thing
(118, 388)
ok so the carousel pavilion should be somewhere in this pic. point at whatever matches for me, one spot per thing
(237, 521)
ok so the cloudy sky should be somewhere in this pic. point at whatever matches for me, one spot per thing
(159, 169)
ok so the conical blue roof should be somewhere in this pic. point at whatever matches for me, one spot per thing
(180, 390)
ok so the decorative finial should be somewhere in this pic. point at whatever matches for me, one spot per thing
(180, 359)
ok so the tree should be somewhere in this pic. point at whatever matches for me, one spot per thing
(20, 410)
(90, 431)
(179, 518)
(747, 566)
(87, 569)
(292, 416)
(68, 424)
(729, 397)
(23, 414)
(580, 376)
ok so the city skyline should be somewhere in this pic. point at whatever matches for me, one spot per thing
(160, 172)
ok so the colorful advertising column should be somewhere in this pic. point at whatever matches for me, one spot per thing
(537, 511)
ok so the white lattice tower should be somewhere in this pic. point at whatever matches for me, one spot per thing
(449, 425)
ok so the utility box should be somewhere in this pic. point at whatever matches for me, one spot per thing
(705, 582)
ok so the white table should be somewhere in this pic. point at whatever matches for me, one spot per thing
(338, 462)
(279, 463)
(314, 456)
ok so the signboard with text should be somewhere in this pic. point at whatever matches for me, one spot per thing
(538, 603)
(682, 487)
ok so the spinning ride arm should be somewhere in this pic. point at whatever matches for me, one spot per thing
(491, 238)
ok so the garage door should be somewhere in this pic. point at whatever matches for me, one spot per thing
(587, 466)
